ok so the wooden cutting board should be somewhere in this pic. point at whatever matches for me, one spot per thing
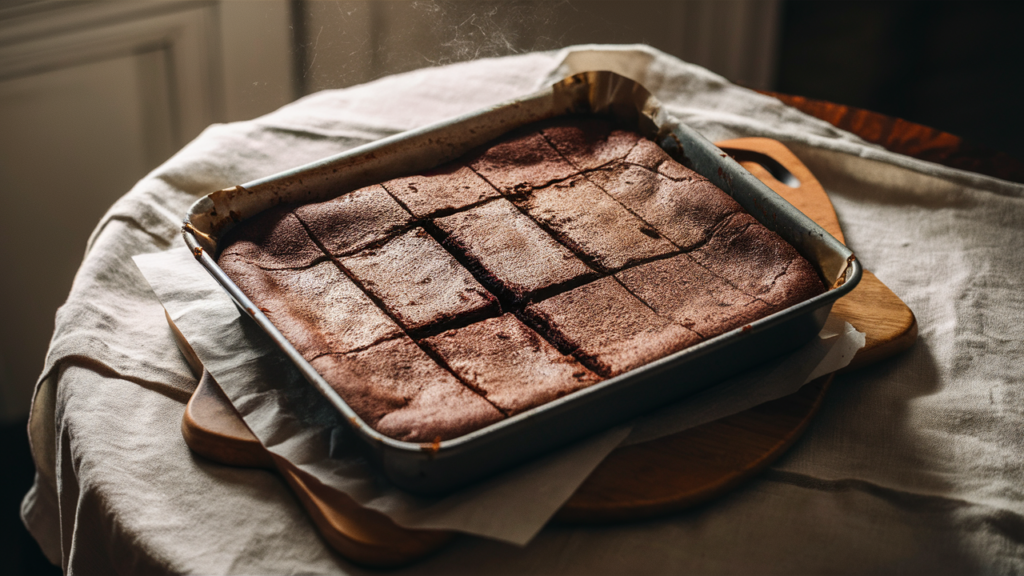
(656, 477)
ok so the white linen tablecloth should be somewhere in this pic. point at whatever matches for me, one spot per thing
(915, 464)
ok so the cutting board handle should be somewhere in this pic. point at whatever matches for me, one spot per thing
(786, 175)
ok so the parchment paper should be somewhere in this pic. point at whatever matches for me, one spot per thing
(293, 421)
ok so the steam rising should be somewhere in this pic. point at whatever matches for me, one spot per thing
(350, 42)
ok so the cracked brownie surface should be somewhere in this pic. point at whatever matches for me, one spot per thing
(607, 328)
(510, 253)
(509, 364)
(354, 221)
(562, 254)
(272, 240)
(419, 283)
(318, 309)
(685, 210)
(593, 224)
(402, 393)
(442, 190)
(681, 289)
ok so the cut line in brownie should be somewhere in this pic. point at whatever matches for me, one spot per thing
(588, 142)
(399, 391)
(510, 253)
(318, 309)
(273, 239)
(440, 191)
(354, 220)
(509, 364)
(590, 222)
(682, 290)
(759, 262)
(651, 156)
(520, 162)
(420, 283)
(684, 211)
(607, 328)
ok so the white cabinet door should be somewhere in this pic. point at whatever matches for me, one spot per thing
(92, 97)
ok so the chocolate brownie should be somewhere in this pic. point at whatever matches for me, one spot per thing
(419, 283)
(510, 364)
(607, 328)
(402, 393)
(521, 162)
(606, 254)
(440, 191)
(759, 262)
(682, 290)
(581, 216)
(318, 309)
(685, 211)
(510, 253)
(355, 220)
(588, 143)
(651, 156)
(273, 240)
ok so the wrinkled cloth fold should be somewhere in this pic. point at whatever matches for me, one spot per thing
(913, 464)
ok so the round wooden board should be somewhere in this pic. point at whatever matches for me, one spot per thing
(693, 466)
(642, 480)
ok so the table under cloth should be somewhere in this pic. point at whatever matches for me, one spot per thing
(913, 464)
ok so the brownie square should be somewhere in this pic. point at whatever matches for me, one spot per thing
(510, 364)
(592, 223)
(607, 328)
(513, 256)
(355, 220)
(402, 393)
(588, 143)
(419, 283)
(651, 156)
(520, 163)
(685, 211)
(318, 309)
(273, 239)
(440, 191)
(759, 262)
(680, 289)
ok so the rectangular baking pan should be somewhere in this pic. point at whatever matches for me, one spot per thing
(440, 467)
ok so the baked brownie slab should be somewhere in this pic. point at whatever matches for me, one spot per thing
(589, 142)
(682, 290)
(402, 393)
(420, 283)
(510, 364)
(592, 223)
(442, 190)
(759, 262)
(354, 220)
(607, 328)
(318, 309)
(537, 215)
(513, 256)
(274, 240)
(685, 211)
(521, 162)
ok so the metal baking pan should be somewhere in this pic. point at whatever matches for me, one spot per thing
(439, 467)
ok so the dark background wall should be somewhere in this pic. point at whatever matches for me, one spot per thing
(956, 66)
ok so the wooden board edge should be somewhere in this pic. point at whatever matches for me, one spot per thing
(578, 510)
